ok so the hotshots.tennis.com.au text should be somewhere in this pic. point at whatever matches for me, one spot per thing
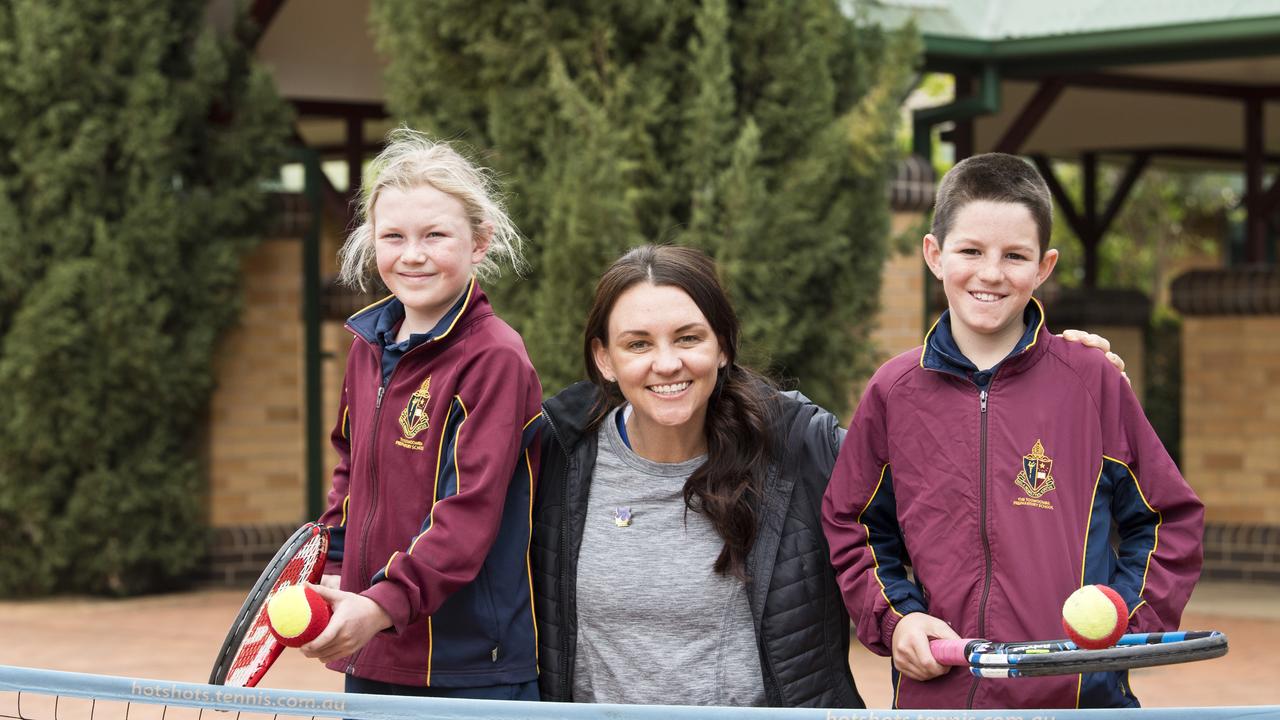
(236, 696)
(935, 715)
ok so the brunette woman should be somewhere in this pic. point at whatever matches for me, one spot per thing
(678, 554)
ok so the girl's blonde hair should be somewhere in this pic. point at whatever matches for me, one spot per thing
(410, 160)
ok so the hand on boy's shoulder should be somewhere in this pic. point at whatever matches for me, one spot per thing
(1091, 340)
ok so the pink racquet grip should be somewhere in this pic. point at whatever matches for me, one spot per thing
(950, 652)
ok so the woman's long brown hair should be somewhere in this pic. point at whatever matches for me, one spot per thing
(726, 488)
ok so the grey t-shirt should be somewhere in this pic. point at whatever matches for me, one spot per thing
(655, 623)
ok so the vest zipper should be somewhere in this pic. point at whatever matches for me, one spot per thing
(566, 668)
(562, 580)
(986, 541)
(772, 686)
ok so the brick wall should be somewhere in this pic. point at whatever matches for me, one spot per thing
(1231, 414)
(237, 555)
(255, 441)
(900, 322)
(256, 447)
(1241, 552)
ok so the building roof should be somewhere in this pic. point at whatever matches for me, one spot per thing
(1003, 20)
(1167, 77)
(1078, 35)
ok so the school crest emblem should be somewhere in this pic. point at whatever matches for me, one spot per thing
(414, 419)
(1036, 476)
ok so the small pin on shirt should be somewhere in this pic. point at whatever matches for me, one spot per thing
(622, 516)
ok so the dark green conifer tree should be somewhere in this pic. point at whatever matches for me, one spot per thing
(133, 142)
(758, 131)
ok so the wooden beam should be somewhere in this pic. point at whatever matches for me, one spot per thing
(337, 206)
(354, 155)
(1172, 86)
(1029, 119)
(1191, 152)
(339, 150)
(962, 134)
(1060, 194)
(1131, 174)
(1089, 176)
(1270, 200)
(1256, 222)
(942, 55)
(1091, 237)
(263, 12)
(339, 108)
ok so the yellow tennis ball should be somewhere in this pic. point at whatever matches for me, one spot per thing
(1095, 616)
(297, 615)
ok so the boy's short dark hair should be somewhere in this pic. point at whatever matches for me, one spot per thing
(996, 177)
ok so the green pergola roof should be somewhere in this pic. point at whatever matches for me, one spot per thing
(1026, 19)
(1101, 32)
(1171, 78)
(1138, 81)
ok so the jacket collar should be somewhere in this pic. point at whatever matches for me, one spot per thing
(571, 411)
(941, 353)
(372, 322)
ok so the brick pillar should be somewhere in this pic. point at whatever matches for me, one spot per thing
(255, 457)
(1231, 415)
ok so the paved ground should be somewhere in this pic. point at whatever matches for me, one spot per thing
(174, 637)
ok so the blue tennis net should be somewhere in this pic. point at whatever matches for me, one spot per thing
(33, 694)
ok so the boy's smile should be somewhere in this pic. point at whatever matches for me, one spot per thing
(989, 264)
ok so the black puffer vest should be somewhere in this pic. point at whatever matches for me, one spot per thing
(802, 628)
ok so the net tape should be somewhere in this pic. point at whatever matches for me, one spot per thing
(34, 694)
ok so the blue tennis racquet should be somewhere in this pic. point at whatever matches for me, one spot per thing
(988, 659)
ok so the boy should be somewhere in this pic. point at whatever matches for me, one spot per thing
(994, 462)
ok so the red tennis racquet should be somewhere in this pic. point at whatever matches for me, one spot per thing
(1061, 657)
(250, 648)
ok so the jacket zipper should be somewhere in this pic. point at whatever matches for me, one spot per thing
(565, 667)
(772, 687)
(374, 484)
(986, 541)
(373, 458)
(373, 495)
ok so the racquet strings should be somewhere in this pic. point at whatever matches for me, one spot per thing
(257, 648)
